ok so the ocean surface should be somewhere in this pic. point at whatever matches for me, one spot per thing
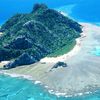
(80, 10)
(22, 89)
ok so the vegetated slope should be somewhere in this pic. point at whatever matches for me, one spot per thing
(38, 33)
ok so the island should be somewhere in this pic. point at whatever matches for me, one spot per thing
(48, 48)
(27, 38)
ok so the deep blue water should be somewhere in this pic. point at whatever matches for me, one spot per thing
(22, 89)
(88, 11)
(84, 10)
(11, 7)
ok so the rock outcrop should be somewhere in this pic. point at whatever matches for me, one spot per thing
(24, 59)
(59, 64)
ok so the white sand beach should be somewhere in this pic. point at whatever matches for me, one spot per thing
(81, 75)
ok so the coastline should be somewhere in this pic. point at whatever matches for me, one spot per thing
(82, 71)
(68, 55)
(56, 93)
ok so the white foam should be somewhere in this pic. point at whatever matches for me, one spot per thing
(60, 94)
(37, 82)
(63, 13)
(57, 93)
(80, 94)
(46, 86)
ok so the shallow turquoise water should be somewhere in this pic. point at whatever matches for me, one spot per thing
(96, 51)
(22, 89)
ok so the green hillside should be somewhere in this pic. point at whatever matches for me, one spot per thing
(39, 33)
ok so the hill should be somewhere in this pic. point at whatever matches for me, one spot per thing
(36, 34)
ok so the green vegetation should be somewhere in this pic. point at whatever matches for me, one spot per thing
(40, 33)
(65, 49)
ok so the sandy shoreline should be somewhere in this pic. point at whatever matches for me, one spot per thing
(81, 75)
(64, 57)
(70, 54)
